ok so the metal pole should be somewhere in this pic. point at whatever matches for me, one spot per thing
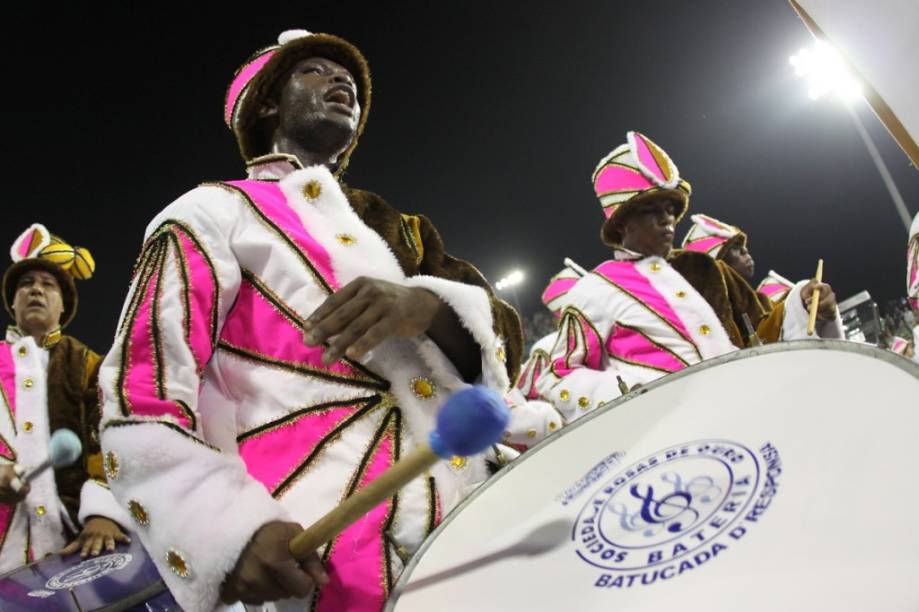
(882, 168)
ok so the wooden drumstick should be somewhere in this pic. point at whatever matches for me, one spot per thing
(470, 421)
(815, 300)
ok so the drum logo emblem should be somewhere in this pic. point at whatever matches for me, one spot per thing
(89, 570)
(674, 511)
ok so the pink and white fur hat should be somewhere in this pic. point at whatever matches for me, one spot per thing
(630, 175)
(899, 345)
(709, 235)
(912, 265)
(775, 286)
(257, 77)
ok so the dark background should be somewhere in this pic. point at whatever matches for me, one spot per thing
(489, 117)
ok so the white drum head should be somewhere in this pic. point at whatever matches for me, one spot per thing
(777, 478)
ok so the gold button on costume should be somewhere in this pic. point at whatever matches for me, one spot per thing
(655, 267)
(40, 511)
(423, 388)
(346, 239)
(583, 402)
(28, 383)
(312, 190)
(705, 330)
(138, 512)
(177, 563)
(111, 465)
(681, 294)
(23, 351)
(27, 426)
(564, 395)
(458, 462)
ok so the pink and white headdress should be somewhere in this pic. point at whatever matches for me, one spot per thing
(709, 235)
(633, 170)
(912, 265)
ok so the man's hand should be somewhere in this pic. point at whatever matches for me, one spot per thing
(367, 311)
(826, 310)
(12, 490)
(98, 532)
(266, 571)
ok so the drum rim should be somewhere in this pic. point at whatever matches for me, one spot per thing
(907, 365)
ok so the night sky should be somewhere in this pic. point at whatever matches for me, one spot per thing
(488, 117)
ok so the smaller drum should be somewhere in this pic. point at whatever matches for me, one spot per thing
(111, 581)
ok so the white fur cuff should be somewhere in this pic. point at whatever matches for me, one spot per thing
(473, 308)
(194, 508)
(794, 323)
(96, 499)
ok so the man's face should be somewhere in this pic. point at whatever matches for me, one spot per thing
(317, 106)
(38, 302)
(739, 258)
(649, 229)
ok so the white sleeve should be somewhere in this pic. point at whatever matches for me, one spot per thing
(794, 323)
(193, 505)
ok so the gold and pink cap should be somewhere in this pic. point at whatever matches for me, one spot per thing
(630, 173)
(709, 235)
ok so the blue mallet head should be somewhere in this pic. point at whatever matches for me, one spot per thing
(65, 448)
(469, 422)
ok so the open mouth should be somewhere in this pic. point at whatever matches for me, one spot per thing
(341, 94)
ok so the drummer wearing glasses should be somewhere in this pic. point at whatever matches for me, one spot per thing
(650, 310)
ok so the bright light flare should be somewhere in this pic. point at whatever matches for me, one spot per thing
(514, 278)
(826, 73)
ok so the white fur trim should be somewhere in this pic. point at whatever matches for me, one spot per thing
(221, 505)
(291, 35)
(707, 225)
(794, 322)
(649, 174)
(96, 499)
(473, 308)
(45, 241)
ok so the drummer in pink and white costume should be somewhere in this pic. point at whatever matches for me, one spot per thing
(650, 311)
(47, 383)
(223, 427)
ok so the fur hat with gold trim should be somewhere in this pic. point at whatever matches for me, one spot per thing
(634, 173)
(257, 77)
(912, 265)
(38, 249)
(709, 235)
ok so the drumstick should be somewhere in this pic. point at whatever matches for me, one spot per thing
(470, 421)
(815, 300)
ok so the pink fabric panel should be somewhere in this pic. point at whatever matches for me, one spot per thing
(140, 376)
(271, 201)
(271, 456)
(705, 245)
(647, 158)
(241, 80)
(8, 374)
(616, 178)
(557, 288)
(626, 275)
(593, 347)
(773, 289)
(629, 345)
(202, 298)
(357, 580)
(275, 336)
(24, 246)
